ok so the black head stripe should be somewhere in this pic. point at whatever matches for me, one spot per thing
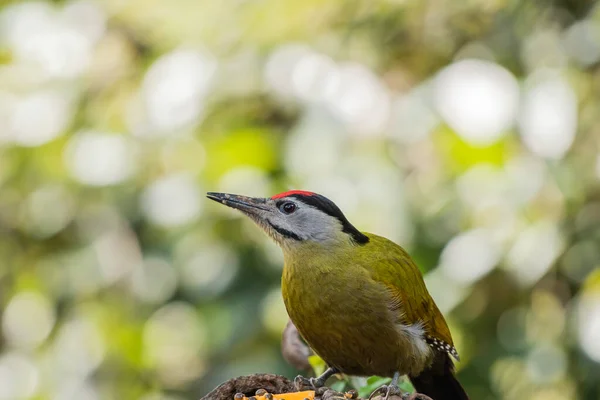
(328, 207)
(284, 232)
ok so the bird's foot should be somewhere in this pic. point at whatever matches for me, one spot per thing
(388, 390)
(302, 383)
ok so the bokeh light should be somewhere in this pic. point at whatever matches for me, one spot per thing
(153, 280)
(174, 89)
(469, 256)
(58, 42)
(28, 320)
(173, 339)
(208, 270)
(52, 110)
(100, 159)
(549, 117)
(19, 376)
(534, 251)
(38, 221)
(588, 325)
(171, 200)
(479, 99)
(582, 43)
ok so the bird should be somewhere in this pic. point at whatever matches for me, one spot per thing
(357, 299)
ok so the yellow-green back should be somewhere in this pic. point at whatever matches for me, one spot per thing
(391, 265)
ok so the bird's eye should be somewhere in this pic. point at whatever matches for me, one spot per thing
(287, 207)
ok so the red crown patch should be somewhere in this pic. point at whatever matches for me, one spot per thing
(292, 192)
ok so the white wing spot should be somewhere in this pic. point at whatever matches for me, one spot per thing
(442, 346)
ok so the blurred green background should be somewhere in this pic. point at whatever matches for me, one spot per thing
(467, 131)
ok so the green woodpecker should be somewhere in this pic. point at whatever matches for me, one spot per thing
(357, 299)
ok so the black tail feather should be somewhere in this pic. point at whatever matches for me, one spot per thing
(439, 382)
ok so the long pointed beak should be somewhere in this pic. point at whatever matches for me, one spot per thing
(242, 203)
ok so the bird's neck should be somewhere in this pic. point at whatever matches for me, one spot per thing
(313, 258)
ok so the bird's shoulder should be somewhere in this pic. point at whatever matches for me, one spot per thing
(391, 266)
(386, 257)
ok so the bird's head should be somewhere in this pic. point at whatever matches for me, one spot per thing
(296, 217)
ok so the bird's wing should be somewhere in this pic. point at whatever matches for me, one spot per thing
(409, 297)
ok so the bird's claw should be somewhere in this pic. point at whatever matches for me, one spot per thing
(390, 390)
(301, 383)
(316, 382)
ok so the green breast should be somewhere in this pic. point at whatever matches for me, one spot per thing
(341, 313)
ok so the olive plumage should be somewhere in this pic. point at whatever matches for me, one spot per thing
(358, 299)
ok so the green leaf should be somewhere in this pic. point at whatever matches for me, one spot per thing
(406, 386)
(339, 386)
(372, 383)
(317, 364)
